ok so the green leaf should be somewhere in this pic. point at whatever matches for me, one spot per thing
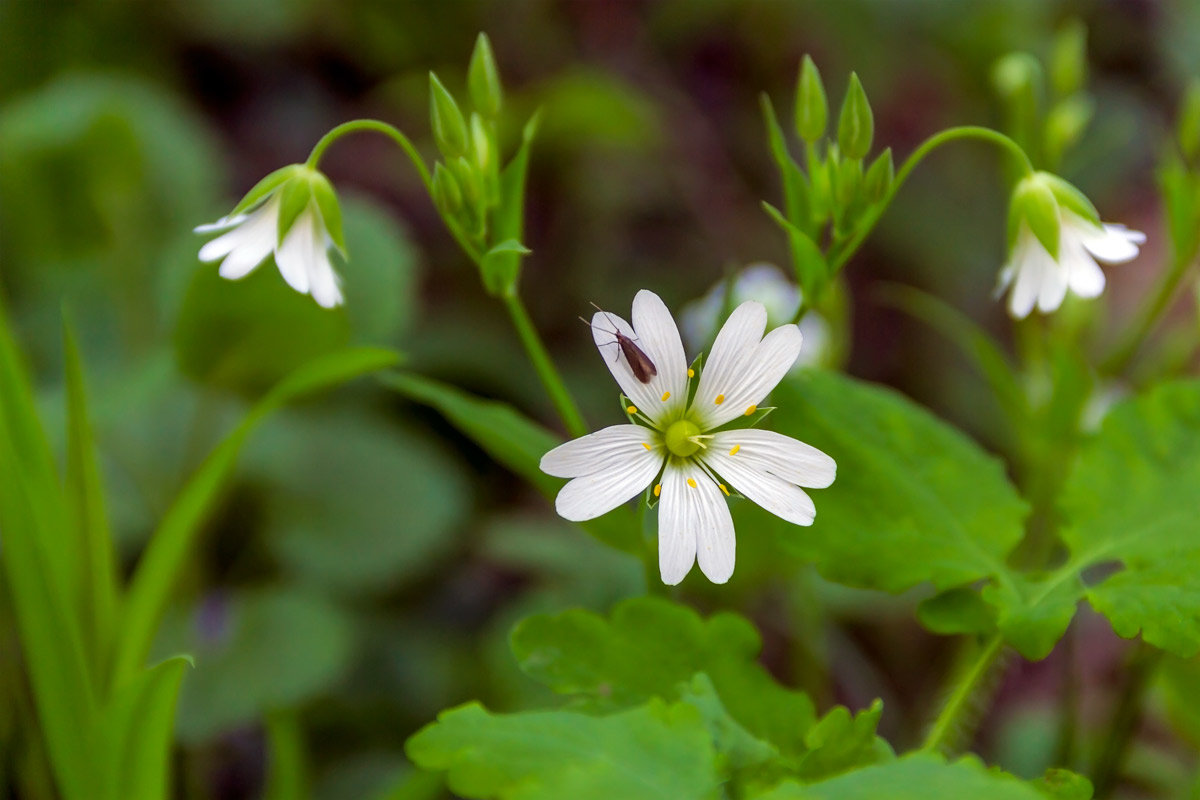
(957, 611)
(941, 510)
(738, 749)
(796, 200)
(647, 649)
(173, 541)
(294, 197)
(40, 567)
(85, 493)
(856, 124)
(915, 777)
(514, 441)
(1033, 613)
(812, 109)
(324, 195)
(502, 270)
(807, 259)
(841, 741)
(136, 731)
(648, 753)
(256, 652)
(1063, 784)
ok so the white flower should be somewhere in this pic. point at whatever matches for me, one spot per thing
(302, 254)
(767, 284)
(1049, 214)
(686, 451)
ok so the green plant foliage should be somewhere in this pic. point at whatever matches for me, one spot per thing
(941, 510)
(649, 752)
(915, 777)
(647, 649)
(255, 651)
(841, 741)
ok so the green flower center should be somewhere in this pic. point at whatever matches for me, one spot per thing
(682, 438)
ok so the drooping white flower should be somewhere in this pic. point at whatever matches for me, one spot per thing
(1057, 241)
(688, 451)
(292, 213)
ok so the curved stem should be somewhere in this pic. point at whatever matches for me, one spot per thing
(1147, 317)
(928, 146)
(952, 722)
(391, 131)
(545, 367)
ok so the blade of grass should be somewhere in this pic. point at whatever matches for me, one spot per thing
(175, 538)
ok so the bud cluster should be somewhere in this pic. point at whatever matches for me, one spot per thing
(827, 202)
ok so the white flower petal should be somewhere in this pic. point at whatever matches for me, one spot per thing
(734, 344)
(322, 277)
(223, 223)
(1112, 244)
(589, 496)
(1084, 275)
(761, 371)
(1029, 264)
(655, 334)
(603, 451)
(1053, 288)
(781, 498)
(768, 451)
(252, 229)
(694, 522)
(296, 254)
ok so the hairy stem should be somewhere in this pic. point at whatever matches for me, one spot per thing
(953, 725)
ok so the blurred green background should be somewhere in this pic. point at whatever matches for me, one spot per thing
(365, 571)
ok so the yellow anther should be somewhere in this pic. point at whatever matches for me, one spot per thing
(657, 489)
(691, 373)
(720, 399)
(723, 489)
(750, 411)
(645, 445)
(666, 396)
(692, 482)
(632, 409)
(736, 447)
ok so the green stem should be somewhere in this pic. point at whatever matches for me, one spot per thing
(354, 126)
(953, 723)
(1147, 317)
(842, 254)
(1107, 768)
(545, 367)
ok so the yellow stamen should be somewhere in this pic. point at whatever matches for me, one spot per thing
(692, 482)
(691, 373)
(632, 409)
(720, 399)
(723, 489)
(666, 396)
(736, 447)
(750, 411)
(657, 489)
(645, 445)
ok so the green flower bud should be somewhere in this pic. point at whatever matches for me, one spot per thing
(812, 109)
(449, 129)
(1068, 62)
(1034, 206)
(1188, 129)
(483, 79)
(856, 125)
(880, 176)
(848, 178)
(468, 180)
(481, 144)
(1065, 123)
(447, 196)
(1017, 77)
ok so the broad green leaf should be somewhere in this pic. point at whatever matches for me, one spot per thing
(737, 748)
(38, 548)
(134, 735)
(647, 648)
(176, 536)
(841, 741)
(85, 493)
(957, 610)
(647, 753)
(915, 777)
(1062, 784)
(256, 652)
(915, 501)
(514, 441)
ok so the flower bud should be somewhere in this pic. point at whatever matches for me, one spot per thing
(447, 196)
(812, 109)
(856, 125)
(1068, 62)
(483, 79)
(449, 128)
(1065, 123)
(880, 176)
(1188, 129)
(481, 144)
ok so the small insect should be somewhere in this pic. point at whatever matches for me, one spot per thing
(639, 363)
